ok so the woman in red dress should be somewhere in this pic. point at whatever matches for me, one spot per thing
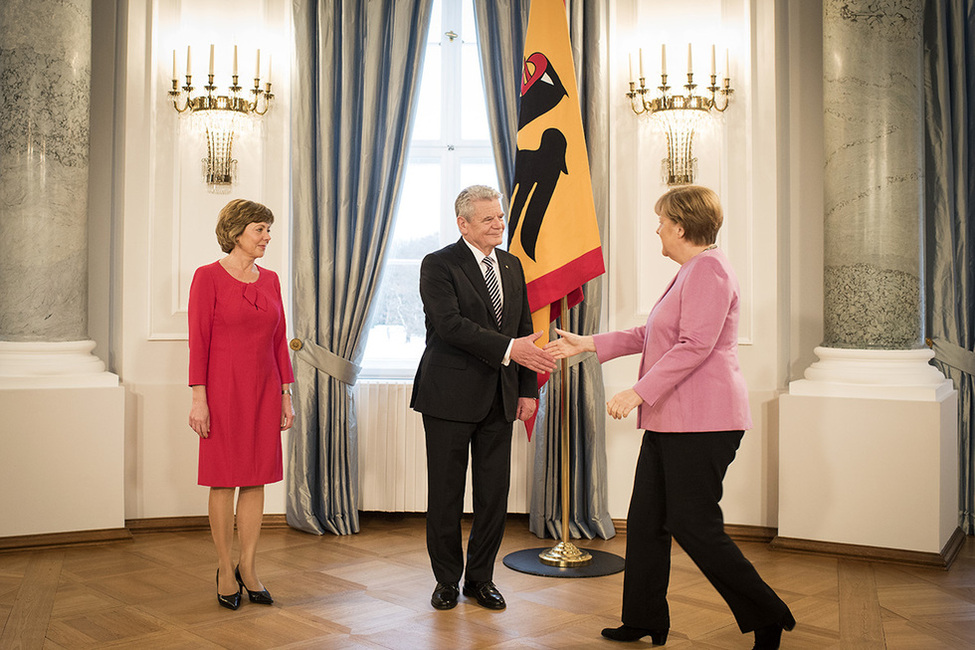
(240, 372)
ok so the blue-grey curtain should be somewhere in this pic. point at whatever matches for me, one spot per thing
(357, 69)
(501, 32)
(949, 178)
(501, 26)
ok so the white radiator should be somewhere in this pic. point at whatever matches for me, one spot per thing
(392, 453)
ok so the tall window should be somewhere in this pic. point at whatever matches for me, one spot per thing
(449, 150)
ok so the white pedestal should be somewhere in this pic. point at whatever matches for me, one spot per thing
(61, 459)
(60, 364)
(869, 461)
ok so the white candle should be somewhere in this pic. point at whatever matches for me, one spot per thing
(211, 58)
(714, 70)
(257, 65)
(174, 65)
(727, 66)
(630, 55)
(235, 60)
(690, 64)
(188, 61)
(663, 60)
(641, 63)
(269, 60)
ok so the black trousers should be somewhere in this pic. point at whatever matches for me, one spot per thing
(675, 495)
(449, 443)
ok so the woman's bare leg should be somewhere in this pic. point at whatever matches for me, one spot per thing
(250, 514)
(221, 511)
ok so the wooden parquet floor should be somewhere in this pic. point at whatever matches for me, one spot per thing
(372, 590)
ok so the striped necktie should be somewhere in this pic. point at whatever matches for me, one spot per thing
(491, 280)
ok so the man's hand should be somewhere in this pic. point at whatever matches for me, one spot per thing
(526, 408)
(622, 403)
(525, 353)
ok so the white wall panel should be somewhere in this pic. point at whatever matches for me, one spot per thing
(168, 220)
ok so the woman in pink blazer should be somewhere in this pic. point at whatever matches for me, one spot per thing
(692, 400)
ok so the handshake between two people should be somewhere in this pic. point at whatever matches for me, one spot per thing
(524, 351)
(569, 344)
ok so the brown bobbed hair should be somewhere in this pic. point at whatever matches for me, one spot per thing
(235, 217)
(694, 208)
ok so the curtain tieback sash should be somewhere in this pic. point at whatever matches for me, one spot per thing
(326, 361)
(953, 355)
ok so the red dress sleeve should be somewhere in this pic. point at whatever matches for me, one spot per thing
(200, 315)
(281, 351)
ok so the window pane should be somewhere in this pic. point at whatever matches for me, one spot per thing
(478, 171)
(473, 113)
(470, 29)
(426, 126)
(417, 218)
(435, 33)
(397, 331)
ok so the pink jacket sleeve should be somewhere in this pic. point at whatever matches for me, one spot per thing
(619, 344)
(200, 316)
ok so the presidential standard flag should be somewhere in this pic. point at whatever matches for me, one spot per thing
(552, 219)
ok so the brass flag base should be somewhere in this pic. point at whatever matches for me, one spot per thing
(564, 560)
(565, 554)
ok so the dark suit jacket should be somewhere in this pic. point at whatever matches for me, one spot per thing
(461, 366)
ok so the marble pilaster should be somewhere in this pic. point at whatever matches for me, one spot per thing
(872, 96)
(45, 71)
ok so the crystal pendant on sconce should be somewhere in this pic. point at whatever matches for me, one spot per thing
(680, 165)
(220, 167)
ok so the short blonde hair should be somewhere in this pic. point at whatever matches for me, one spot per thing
(235, 217)
(694, 208)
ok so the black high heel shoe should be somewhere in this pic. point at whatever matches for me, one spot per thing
(260, 597)
(770, 636)
(630, 633)
(230, 602)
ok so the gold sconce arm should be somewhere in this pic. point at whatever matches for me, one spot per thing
(679, 114)
(219, 112)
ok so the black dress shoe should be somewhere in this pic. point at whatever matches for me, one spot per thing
(630, 633)
(230, 602)
(486, 593)
(445, 595)
(261, 597)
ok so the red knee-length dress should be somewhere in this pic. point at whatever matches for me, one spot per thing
(239, 351)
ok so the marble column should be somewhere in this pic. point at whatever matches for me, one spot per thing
(45, 59)
(868, 438)
(872, 97)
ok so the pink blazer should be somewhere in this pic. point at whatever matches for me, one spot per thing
(689, 374)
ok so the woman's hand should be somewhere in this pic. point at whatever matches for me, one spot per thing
(622, 403)
(287, 412)
(200, 412)
(569, 345)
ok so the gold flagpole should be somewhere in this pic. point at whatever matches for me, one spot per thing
(565, 553)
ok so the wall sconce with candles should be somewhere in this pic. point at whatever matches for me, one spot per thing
(680, 114)
(220, 114)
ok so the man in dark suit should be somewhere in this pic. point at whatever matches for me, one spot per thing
(477, 375)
